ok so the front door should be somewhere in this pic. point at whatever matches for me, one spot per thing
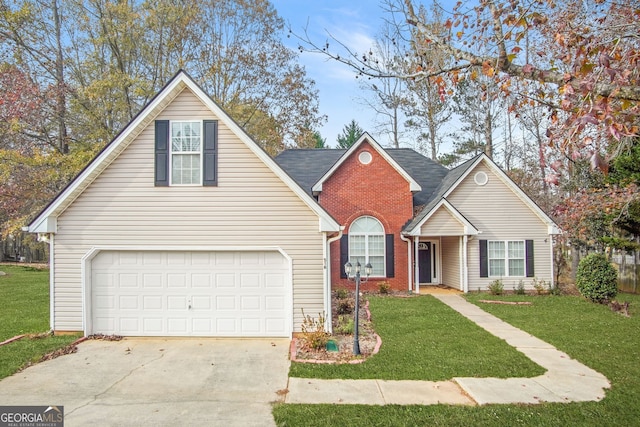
(424, 262)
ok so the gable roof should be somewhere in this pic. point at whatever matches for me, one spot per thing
(46, 221)
(427, 172)
(413, 184)
(308, 165)
(457, 175)
(433, 207)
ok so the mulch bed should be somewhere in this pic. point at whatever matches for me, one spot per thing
(369, 341)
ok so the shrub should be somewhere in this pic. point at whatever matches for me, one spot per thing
(345, 306)
(342, 293)
(496, 287)
(596, 278)
(519, 290)
(384, 287)
(345, 325)
(540, 286)
(314, 334)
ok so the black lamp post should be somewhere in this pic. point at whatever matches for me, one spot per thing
(367, 271)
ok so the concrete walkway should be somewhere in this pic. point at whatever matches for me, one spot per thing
(566, 380)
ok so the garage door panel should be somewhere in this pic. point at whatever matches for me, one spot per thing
(177, 303)
(201, 303)
(191, 293)
(201, 280)
(152, 302)
(225, 280)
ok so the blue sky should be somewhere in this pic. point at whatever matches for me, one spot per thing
(355, 23)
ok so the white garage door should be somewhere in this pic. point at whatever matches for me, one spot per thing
(148, 293)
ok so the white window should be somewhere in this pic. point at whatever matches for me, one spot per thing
(186, 152)
(366, 244)
(506, 258)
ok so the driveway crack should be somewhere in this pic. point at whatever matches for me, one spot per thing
(124, 377)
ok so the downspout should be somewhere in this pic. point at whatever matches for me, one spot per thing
(404, 239)
(48, 238)
(416, 243)
(465, 267)
(553, 269)
(327, 278)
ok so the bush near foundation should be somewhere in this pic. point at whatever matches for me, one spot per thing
(597, 279)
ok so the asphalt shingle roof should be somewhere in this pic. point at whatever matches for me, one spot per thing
(307, 166)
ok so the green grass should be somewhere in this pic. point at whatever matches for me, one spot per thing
(423, 339)
(24, 309)
(24, 301)
(590, 333)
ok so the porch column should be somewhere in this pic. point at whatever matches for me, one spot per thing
(465, 267)
(416, 242)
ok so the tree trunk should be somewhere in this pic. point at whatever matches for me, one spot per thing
(488, 134)
(61, 107)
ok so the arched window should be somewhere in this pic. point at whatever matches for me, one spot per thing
(366, 244)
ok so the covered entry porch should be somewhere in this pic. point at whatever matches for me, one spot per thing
(440, 249)
(440, 261)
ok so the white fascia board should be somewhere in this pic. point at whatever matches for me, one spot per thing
(509, 182)
(327, 223)
(468, 228)
(413, 184)
(48, 224)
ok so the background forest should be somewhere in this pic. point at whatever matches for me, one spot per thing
(549, 89)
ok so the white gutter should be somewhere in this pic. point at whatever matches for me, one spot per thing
(327, 278)
(404, 239)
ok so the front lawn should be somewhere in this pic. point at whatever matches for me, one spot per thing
(605, 341)
(423, 339)
(24, 309)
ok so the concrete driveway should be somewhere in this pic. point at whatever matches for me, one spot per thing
(159, 382)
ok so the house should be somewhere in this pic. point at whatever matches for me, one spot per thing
(419, 224)
(184, 226)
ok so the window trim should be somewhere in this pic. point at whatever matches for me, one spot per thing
(383, 237)
(506, 258)
(200, 153)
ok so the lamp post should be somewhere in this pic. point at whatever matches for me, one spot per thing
(367, 270)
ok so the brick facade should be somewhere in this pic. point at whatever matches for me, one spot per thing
(375, 189)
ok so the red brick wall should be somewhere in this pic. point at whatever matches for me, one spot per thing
(377, 190)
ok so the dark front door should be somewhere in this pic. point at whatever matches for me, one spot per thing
(424, 262)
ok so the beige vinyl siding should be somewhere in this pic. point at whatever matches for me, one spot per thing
(450, 254)
(442, 223)
(499, 214)
(250, 207)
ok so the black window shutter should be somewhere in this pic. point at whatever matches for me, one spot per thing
(162, 153)
(344, 254)
(389, 255)
(529, 257)
(210, 153)
(484, 259)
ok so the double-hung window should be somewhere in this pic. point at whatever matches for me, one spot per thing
(506, 258)
(367, 244)
(186, 153)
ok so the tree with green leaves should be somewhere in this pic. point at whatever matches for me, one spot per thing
(320, 141)
(350, 134)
